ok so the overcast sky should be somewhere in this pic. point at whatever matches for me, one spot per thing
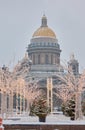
(20, 18)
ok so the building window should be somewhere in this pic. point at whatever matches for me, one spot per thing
(48, 43)
(51, 59)
(33, 59)
(38, 59)
(46, 59)
(40, 44)
(44, 44)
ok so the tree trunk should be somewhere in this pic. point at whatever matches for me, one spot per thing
(42, 118)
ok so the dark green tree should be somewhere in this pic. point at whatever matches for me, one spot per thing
(83, 107)
(40, 108)
(69, 108)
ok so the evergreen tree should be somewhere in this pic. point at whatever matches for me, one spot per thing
(69, 108)
(39, 107)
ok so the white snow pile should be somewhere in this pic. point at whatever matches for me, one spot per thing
(50, 119)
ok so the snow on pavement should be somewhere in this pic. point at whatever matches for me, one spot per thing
(50, 119)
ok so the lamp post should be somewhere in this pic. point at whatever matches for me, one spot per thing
(78, 99)
(78, 110)
(50, 93)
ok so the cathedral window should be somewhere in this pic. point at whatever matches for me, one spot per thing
(38, 59)
(33, 59)
(51, 59)
(46, 59)
(40, 44)
(48, 43)
(44, 44)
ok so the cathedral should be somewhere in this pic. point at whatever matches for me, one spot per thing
(44, 50)
(42, 59)
(41, 62)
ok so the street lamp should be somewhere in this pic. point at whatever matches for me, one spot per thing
(50, 93)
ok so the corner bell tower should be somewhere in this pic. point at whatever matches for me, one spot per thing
(73, 65)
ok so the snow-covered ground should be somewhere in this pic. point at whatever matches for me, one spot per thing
(50, 119)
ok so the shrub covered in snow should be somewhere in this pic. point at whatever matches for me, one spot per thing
(69, 108)
(39, 107)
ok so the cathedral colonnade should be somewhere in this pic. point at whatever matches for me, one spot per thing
(45, 58)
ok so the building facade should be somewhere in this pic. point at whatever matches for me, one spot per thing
(44, 51)
(44, 47)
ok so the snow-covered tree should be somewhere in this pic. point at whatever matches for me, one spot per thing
(69, 108)
(72, 85)
(40, 108)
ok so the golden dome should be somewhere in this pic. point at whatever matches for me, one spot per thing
(44, 30)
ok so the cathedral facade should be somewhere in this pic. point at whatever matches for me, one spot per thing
(44, 52)
(42, 61)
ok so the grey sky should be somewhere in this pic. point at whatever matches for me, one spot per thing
(20, 18)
